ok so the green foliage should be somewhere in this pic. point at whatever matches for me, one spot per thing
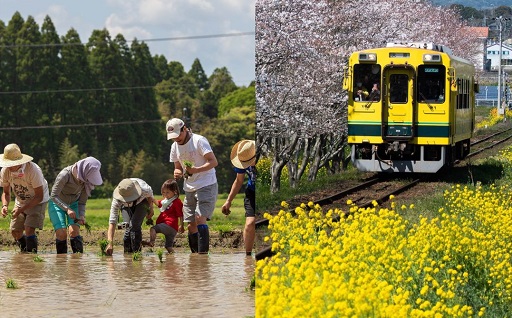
(103, 243)
(38, 259)
(160, 253)
(68, 154)
(239, 98)
(11, 284)
(137, 256)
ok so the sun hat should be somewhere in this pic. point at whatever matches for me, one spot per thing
(13, 156)
(127, 190)
(243, 154)
(88, 170)
(173, 128)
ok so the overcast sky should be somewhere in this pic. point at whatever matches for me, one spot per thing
(159, 19)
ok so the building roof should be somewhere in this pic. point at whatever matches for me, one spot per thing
(479, 32)
(496, 46)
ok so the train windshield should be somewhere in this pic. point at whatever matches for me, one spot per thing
(367, 82)
(431, 79)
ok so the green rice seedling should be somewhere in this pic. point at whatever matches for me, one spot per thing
(188, 164)
(137, 256)
(160, 253)
(103, 246)
(38, 259)
(252, 285)
(11, 284)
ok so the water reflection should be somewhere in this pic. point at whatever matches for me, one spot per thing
(88, 285)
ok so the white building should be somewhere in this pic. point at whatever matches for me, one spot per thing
(493, 57)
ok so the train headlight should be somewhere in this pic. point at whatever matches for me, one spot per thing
(368, 57)
(431, 58)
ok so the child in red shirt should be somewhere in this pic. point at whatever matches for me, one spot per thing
(170, 220)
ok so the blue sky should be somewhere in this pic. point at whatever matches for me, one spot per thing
(158, 19)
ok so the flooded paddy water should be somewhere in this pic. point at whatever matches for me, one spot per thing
(89, 285)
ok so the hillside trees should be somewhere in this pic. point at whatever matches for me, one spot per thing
(301, 49)
(63, 99)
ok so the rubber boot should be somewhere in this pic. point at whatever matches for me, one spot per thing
(193, 242)
(136, 238)
(32, 244)
(22, 243)
(204, 239)
(62, 246)
(127, 242)
(77, 244)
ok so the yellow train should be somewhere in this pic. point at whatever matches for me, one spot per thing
(411, 107)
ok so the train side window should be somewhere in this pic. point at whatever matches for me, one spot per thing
(398, 88)
(431, 87)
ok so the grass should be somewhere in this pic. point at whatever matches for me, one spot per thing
(265, 200)
(98, 212)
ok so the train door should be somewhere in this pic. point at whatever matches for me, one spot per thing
(398, 111)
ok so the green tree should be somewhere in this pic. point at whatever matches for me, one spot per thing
(243, 96)
(198, 74)
(223, 133)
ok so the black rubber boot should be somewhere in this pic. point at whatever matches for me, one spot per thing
(204, 239)
(77, 244)
(32, 244)
(136, 238)
(127, 243)
(22, 243)
(193, 242)
(62, 246)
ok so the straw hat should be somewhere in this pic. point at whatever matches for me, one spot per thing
(243, 154)
(13, 156)
(127, 191)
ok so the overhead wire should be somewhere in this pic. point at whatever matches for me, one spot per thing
(177, 38)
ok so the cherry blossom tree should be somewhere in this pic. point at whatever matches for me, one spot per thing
(301, 51)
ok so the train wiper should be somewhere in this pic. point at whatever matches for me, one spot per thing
(426, 101)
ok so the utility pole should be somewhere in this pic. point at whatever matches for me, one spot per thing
(501, 110)
(499, 21)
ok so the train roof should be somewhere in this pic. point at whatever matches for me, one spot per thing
(422, 45)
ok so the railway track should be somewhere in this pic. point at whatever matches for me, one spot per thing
(490, 142)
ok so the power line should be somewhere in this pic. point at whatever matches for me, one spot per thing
(75, 90)
(178, 38)
(85, 125)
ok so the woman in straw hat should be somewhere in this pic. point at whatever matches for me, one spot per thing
(30, 189)
(70, 192)
(243, 157)
(134, 197)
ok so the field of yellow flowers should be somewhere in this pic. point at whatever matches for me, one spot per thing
(374, 263)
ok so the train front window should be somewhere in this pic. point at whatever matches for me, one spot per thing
(398, 88)
(431, 79)
(367, 83)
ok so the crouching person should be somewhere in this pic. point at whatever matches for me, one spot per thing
(70, 192)
(30, 189)
(134, 197)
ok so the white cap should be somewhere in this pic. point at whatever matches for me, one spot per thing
(173, 127)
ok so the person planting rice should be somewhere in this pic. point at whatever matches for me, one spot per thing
(70, 192)
(30, 189)
(200, 181)
(134, 197)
